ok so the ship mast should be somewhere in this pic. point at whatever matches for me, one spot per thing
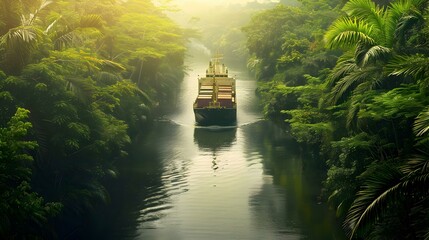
(216, 61)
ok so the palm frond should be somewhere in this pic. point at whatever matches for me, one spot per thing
(111, 65)
(105, 64)
(401, 16)
(16, 47)
(367, 11)
(374, 82)
(421, 124)
(345, 65)
(352, 112)
(348, 83)
(63, 39)
(415, 66)
(19, 37)
(405, 6)
(48, 29)
(346, 33)
(396, 12)
(366, 56)
(73, 34)
(33, 16)
(378, 190)
(416, 172)
(397, 9)
(405, 24)
(91, 21)
(414, 183)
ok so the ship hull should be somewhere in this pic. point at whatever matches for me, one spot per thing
(215, 116)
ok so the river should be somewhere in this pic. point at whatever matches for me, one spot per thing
(249, 181)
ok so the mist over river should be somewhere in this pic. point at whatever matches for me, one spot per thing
(247, 181)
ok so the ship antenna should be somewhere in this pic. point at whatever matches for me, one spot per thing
(214, 81)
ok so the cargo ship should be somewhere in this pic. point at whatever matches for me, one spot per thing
(216, 101)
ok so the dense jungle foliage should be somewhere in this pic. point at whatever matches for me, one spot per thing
(350, 79)
(78, 80)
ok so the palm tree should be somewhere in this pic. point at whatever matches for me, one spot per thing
(405, 186)
(72, 34)
(421, 125)
(19, 39)
(395, 188)
(378, 43)
(370, 35)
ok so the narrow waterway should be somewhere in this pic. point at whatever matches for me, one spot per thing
(248, 181)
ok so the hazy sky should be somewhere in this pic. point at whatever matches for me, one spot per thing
(217, 2)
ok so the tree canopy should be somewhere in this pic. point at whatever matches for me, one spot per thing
(87, 76)
(353, 88)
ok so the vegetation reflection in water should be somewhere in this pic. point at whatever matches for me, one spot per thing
(244, 182)
(189, 182)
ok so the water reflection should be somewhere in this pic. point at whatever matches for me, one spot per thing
(293, 180)
(215, 137)
(248, 181)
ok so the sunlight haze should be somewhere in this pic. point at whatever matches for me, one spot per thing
(218, 2)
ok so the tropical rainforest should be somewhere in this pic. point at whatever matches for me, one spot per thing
(79, 80)
(349, 79)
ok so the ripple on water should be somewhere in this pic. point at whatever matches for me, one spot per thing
(158, 202)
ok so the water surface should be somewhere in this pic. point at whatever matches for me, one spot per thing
(248, 181)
